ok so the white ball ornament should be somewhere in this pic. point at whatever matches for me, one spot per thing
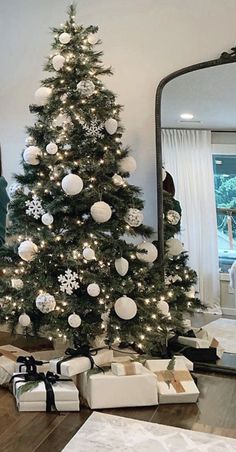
(125, 308)
(74, 320)
(86, 87)
(17, 284)
(151, 252)
(31, 155)
(58, 62)
(27, 250)
(45, 303)
(24, 320)
(64, 38)
(42, 95)
(127, 164)
(61, 120)
(117, 180)
(88, 253)
(92, 38)
(134, 217)
(175, 247)
(51, 148)
(111, 126)
(14, 189)
(121, 266)
(101, 212)
(29, 141)
(173, 217)
(72, 184)
(163, 307)
(93, 290)
(47, 219)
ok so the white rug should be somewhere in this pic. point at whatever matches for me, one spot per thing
(107, 433)
(225, 331)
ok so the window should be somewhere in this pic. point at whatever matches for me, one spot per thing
(225, 193)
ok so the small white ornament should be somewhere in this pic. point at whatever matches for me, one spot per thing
(173, 217)
(122, 266)
(51, 148)
(47, 219)
(31, 155)
(24, 320)
(88, 254)
(72, 184)
(151, 252)
(117, 180)
(101, 212)
(14, 189)
(127, 164)
(163, 307)
(17, 284)
(175, 247)
(68, 281)
(35, 208)
(92, 38)
(42, 95)
(93, 290)
(29, 141)
(61, 120)
(163, 174)
(27, 250)
(134, 217)
(125, 308)
(74, 320)
(45, 303)
(111, 126)
(58, 62)
(64, 38)
(86, 87)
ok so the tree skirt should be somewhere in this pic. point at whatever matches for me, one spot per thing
(107, 433)
(225, 331)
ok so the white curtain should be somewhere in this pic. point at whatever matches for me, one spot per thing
(187, 156)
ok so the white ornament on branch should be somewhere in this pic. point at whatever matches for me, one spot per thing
(42, 95)
(47, 219)
(134, 217)
(74, 320)
(31, 155)
(61, 120)
(125, 308)
(17, 283)
(58, 62)
(101, 212)
(88, 253)
(34, 207)
(175, 247)
(51, 148)
(14, 189)
(45, 303)
(29, 141)
(121, 266)
(86, 87)
(173, 217)
(64, 38)
(92, 38)
(151, 252)
(27, 250)
(127, 164)
(111, 126)
(93, 290)
(93, 130)
(118, 180)
(24, 320)
(68, 281)
(163, 307)
(72, 184)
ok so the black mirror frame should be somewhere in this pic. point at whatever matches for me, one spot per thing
(225, 58)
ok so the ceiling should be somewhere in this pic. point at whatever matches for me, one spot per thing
(209, 94)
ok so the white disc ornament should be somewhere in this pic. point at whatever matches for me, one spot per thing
(42, 95)
(74, 320)
(125, 308)
(163, 174)
(117, 180)
(14, 189)
(86, 87)
(175, 247)
(163, 307)
(111, 126)
(47, 219)
(93, 290)
(58, 62)
(134, 217)
(64, 38)
(31, 155)
(24, 320)
(17, 284)
(121, 266)
(151, 252)
(29, 141)
(72, 184)
(51, 148)
(45, 303)
(173, 217)
(88, 254)
(92, 38)
(101, 212)
(127, 164)
(27, 250)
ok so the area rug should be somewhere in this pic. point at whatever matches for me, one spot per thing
(107, 433)
(224, 330)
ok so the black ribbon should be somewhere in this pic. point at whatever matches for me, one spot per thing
(82, 351)
(29, 363)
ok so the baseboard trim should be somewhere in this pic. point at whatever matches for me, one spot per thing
(228, 311)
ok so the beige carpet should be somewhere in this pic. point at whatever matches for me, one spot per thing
(225, 331)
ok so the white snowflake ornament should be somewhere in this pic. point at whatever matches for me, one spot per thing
(93, 130)
(35, 208)
(68, 281)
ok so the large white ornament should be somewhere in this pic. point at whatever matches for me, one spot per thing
(29, 141)
(93, 290)
(27, 250)
(175, 247)
(45, 303)
(51, 148)
(117, 180)
(24, 320)
(42, 95)
(47, 219)
(111, 126)
(101, 212)
(31, 155)
(14, 189)
(134, 217)
(17, 284)
(88, 254)
(58, 62)
(125, 308)
(74, 320)
(122, 266)
(163, 307)
(72, 184)
(151, 252)
(173, 217)
(92, 38)
(86, 87)
(127, 164)
(64, 38)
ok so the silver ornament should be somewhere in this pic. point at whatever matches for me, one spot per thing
(45, 303)
(86, 87)
(134, 217)
(173, 217)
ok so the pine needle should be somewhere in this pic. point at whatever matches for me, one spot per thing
(26, 388)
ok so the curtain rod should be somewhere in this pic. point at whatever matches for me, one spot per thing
(193, 128)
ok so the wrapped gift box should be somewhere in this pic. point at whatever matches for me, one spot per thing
(193, 342)
(8, 357)
(65, 392)
(126, 368)
(202, 340)
(189, 364)
(80, 364)
(110, 391)
(175, 386)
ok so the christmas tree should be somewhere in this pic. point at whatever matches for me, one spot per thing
(72, 272)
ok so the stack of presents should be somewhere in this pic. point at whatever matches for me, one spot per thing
(102, 378)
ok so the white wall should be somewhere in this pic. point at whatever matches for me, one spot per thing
(143, 40)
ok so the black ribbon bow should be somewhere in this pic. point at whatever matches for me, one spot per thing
(29, 363)
(81, 351)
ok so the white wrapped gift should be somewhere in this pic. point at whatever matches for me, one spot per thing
(8, 357)
(175, 386)
(212, 341)
(189, 364)
(110, 391)
(41, 406)
(194, 342)
(126, 368)
(80, 364)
